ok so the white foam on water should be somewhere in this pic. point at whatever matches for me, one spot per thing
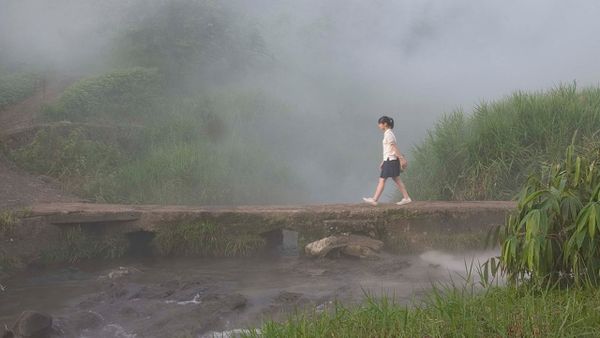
(457, 262)
(195, 300)
(116, 331)
(230, 333)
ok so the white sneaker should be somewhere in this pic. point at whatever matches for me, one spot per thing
(404, 201)
(370, 200)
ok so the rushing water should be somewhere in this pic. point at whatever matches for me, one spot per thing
(195, 297)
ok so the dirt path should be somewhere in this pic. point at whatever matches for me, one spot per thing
(18, 188)
(25, 113)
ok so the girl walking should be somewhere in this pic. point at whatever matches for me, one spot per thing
(392, 165)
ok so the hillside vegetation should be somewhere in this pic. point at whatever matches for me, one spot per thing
(490, 153)
(165, 150)
(154, 128)
(16, 86)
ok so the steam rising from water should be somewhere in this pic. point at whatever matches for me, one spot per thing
(457, 263)
(338, 65)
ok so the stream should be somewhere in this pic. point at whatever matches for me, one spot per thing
(206, 297)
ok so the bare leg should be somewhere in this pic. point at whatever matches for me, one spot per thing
(379, 189)
(401, 187)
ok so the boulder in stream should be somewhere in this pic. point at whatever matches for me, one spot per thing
(351, 245)
(5, 332)
(32, 324)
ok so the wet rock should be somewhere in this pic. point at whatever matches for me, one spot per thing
(288, 297)
(389, 267)
(120, 273)
(32, 324)
(233, 301)
(129, 312)
(351, 245)
(286, 302)
(324, 306)
(86, 320)
(6, 333)
(358, 251)
(130, 291)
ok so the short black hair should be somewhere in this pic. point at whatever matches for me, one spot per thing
(387, 120)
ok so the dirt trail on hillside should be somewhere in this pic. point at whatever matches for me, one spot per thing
(18, 188)
(25, 113)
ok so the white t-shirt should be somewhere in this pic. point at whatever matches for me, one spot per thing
(388, 140)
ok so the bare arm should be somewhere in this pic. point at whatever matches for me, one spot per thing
(397, 151)
(403, 162)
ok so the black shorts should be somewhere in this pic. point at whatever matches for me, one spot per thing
(390, 169)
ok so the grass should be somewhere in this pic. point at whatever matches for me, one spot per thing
(490, 153)
(455, 312)
(73, 156)
(204, 239)
(78, 244)
(8, 222)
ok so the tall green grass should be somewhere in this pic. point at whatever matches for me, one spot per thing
(455, 312)
(490, 153)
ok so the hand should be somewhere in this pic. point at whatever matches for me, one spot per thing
(381, 166)
(403, 163)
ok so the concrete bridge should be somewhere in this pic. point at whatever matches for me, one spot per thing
(63, 232)
(417, 226)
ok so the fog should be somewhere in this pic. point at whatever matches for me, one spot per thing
(339, 65)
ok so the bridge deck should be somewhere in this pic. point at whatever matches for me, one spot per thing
(428, 214)
(413, 227)
(419, 207)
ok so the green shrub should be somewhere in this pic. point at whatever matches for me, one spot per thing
(84, 165)
(555, 234)
(16, 87)
(56, 153)
(122, 95)
(490, 154)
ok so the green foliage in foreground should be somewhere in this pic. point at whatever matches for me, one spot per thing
(454, 312)
(203, 239)
(16, 87)
(555, 235)
(490, 154)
